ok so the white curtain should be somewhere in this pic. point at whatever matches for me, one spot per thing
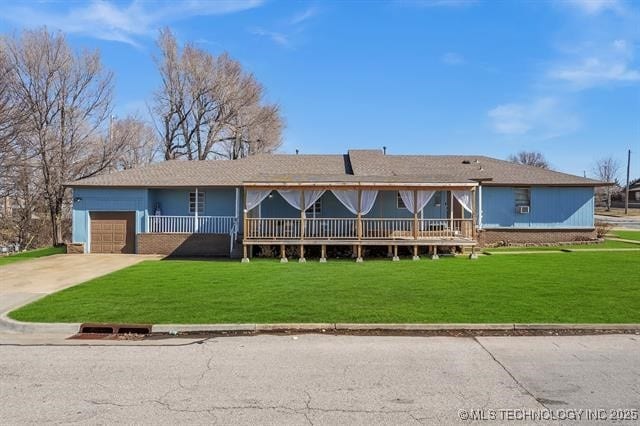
(423, 198)
(464, 198)
(255, 197)
(349, 198)
(293, 197)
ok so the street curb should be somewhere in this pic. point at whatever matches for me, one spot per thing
(14, 326)
(73, 328)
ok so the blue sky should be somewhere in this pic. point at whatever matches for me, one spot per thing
(432, 77)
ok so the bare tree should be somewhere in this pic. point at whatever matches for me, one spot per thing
(208, 107)
(607, 169)
(530, 158)
(138, 142)
(66, 97)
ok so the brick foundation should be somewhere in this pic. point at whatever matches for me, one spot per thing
(75, 248)
(183, 244)
(491, 237)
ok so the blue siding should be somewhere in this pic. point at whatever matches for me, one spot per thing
(175, 202)
(551, 207)
(105, 200)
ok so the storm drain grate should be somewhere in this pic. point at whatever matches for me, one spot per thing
(115, 329)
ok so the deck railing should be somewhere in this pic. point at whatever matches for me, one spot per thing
(191, 224)
(352, 229)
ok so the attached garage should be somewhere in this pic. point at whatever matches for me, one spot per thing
(113, 232)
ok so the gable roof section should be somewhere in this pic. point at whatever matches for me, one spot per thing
(357, 166)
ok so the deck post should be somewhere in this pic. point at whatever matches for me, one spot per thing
(389, 250)
(359, 258)
(395, 254)
(415, 214)
(302, 259)
(245, 258)
(323, 254)
(415, 252)
(473, 254)
(283, 254)
(434, 256)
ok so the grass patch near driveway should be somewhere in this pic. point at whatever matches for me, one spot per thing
(583, 287)
(607, 244)
(31, 254)
(626, 235)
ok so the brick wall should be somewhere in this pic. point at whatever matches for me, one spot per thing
(489, 237)
(183, 244)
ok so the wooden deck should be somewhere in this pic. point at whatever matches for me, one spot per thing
(359, 231)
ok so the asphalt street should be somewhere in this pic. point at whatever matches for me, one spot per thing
(320, 379)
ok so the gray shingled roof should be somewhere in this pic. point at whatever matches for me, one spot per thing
(357, 166)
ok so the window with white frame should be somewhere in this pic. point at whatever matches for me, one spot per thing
(523, 197)
(196, 204)
(315, 209)
(400, 202)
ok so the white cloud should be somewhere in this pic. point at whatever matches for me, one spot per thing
(596, 7)
(597, 66)
(306, 14)
(452, 58)
(116, 21)
(278, 38)
(542, 118)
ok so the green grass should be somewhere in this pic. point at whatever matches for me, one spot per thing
(626, 235)
(32, 254)
(607, 244)
(582, 287)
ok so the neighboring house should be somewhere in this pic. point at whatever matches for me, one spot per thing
(634, 192)
(363, 198)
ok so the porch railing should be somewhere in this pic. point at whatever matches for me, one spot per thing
(191, 224)
(351, 229)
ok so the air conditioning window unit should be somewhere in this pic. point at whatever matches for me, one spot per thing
(522, 209)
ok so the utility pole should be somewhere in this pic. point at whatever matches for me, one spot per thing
(626, 199)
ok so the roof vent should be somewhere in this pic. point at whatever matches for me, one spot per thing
(466, 162)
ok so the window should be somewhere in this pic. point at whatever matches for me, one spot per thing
(315, 209)
(196, 204)
(523, 197)
(437, 198)
(400, 202)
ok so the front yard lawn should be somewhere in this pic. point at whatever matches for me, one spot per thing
(31, 254)
(585, 287)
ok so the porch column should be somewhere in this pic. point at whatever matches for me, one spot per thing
(450, 215)
(395, 254)
(302, 226)
(415, 215)
(480, 206)
(245, 258)
(237, 207)
(283, 254)
(473, 213)
(359, 226)
(195, 216)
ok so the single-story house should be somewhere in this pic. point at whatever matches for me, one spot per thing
(362, 198)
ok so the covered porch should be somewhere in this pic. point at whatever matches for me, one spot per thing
(358, 215)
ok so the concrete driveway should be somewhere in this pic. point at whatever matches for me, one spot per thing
(25, 281)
